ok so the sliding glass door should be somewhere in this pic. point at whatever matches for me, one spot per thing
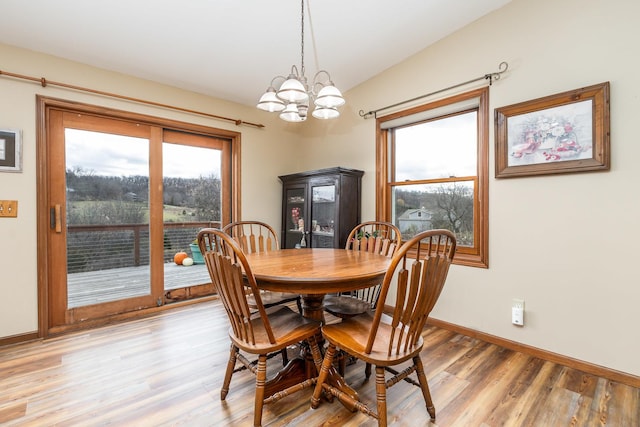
(123, 199)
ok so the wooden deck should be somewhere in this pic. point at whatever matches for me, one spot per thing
(96, 287)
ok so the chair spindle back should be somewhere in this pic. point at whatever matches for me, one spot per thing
(421, 265)
(374, 236)
(226, 262)
(253, 236)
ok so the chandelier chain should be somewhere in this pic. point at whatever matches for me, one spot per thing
(302, 37)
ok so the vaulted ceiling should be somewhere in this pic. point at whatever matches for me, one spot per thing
(231, 49)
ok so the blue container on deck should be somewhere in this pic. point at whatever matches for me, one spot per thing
(196, 254)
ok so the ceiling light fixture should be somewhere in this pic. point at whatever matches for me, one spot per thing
(293, 97)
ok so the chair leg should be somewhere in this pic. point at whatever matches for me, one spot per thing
(424, 386)
(285, 357)
(381, 396)
(342, 361)
(261, 379)
(231, 364)
(315, 352)
(324, 372)
(299, 304)
(367, 371)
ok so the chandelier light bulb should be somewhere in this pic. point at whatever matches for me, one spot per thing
(291, 114)
(324, 113)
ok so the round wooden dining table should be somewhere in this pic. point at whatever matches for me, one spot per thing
(314, 272)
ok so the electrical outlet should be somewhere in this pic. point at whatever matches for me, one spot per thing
(8, 208)
(517, 312)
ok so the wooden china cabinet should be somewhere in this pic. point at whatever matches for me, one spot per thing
(320, 207)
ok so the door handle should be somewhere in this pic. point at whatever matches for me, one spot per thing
(54, 219)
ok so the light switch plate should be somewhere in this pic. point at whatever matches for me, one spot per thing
(8, 208)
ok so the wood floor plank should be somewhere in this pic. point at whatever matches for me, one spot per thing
(579, 382)
(538, 399)
(566, 402)
(508, 406)
(531, 398)
(464, 366)
(14, 411)
(444, 388)
(489, 398)
(619, 407)
(167, 370)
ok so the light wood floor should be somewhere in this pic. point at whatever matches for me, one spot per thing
(167, 370)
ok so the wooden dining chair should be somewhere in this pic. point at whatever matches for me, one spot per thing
(373, 236)
(256, 236)
(259, 333)
(421, 266)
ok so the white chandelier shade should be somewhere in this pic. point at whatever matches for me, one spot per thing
(325, 113)
(294, 113)
(329, 97)
(292, 90)
(270, 101)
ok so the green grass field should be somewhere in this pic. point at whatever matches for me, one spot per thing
(95, 212)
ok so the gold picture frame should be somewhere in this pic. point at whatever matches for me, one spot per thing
(563, 133)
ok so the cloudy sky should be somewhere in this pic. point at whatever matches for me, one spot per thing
(422, 152)
(115, 155)
(437, 149)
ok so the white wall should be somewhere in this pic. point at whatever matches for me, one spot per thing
(262, 159)
(567, 244)
(563, 243)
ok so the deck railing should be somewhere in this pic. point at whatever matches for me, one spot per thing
(99, 247)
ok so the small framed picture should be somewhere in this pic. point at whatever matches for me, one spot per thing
(562, 133)
(10, 150)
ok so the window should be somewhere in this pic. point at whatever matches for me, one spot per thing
(433, 171)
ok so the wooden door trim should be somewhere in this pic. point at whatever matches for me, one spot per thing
(55, 131)
(42, 221)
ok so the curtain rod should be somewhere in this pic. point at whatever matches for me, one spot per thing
(490, 76)
(44, 82)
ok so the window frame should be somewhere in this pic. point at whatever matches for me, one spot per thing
(478, 255)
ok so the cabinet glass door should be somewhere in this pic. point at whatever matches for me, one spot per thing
(295, 218)
(323, 216)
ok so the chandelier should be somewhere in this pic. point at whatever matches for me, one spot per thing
(295, 94)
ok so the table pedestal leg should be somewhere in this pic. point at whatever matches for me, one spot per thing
(301, 368)
(294, 373)
(312, 307)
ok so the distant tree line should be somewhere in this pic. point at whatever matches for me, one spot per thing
(202, 195)
(124, 199)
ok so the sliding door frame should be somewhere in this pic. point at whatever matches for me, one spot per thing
(44, 108)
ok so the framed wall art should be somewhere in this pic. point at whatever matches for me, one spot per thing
(10, 150)
(563, 133)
